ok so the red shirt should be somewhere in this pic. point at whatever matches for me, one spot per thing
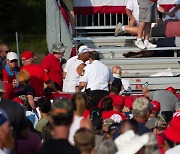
(6, 76)
(53, 66)
(37, 78)
(86, 113)
(160, 138)
(108, 114)
(118, 100)
(9, 94)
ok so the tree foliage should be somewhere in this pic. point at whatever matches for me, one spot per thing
(23, 16)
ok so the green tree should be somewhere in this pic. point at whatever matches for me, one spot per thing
(24, 16)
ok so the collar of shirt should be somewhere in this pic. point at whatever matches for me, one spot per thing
(94, 61)
(116, 76)
(55, 58)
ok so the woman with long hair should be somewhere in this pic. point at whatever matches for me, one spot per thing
(79, 101)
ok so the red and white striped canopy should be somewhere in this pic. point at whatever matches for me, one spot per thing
(109, 6)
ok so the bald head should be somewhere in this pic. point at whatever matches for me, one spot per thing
(4, 49)
(116, 70)
(3, 46)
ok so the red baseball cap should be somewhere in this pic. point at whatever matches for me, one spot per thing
(171, 89)
(156, 106)
(128, 102)
(27, 55)
(118, 101)
(172, 132)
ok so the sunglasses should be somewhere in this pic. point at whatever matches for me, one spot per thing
(6, 51)
(14, 61)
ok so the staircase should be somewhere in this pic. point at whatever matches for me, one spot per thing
(97, 31)
(159, 72)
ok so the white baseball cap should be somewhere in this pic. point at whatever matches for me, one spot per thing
(11, 56)
(130, 143)
(84, 48)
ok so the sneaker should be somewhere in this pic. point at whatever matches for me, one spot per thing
(118, 30)
(140, 44)
(150, 45)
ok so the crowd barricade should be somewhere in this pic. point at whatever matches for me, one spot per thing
(178, 95)
(69, 95)
(58, 95)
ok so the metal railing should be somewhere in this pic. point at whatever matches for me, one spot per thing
(101, 23)
(101, 19)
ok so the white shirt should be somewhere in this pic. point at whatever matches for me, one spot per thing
(74, 127)
(126, 84)
(72, 77)
(68, 63)
(97, 76)
(134, 7)
(2, 152)
(173, 150)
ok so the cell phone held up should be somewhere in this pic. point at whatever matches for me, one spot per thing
(146, 84)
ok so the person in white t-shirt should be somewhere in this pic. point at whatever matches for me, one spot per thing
(74, 68)
(132, 10)
(82, 47)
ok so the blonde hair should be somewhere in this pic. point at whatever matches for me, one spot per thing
(23, 77)
(84, 139)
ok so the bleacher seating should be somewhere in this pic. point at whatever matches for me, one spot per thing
(111, 51)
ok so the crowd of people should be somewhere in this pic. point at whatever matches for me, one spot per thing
(95, 118)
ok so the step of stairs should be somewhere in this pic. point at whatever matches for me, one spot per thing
(117, 52)
(155, 83)
(105, 41)
(159, 72)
